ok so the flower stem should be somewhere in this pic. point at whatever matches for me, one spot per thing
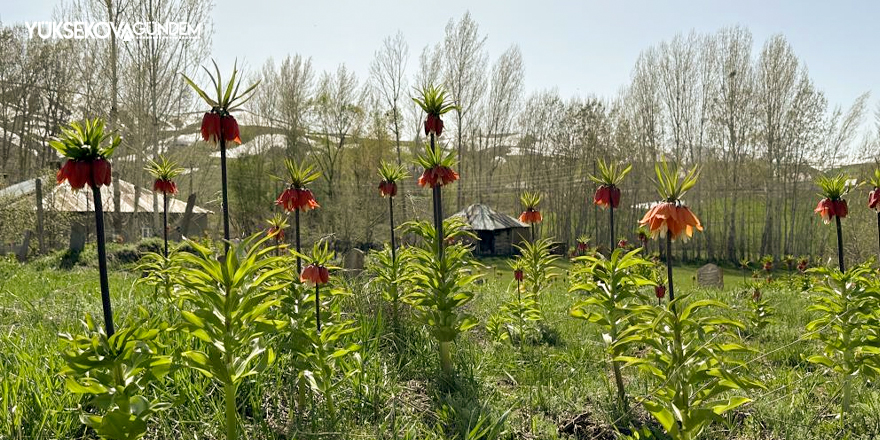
(446, 358)
(223, 191)
(231, 412)
(391, 219)
(669, 266)
(102, 261)
(165, 220)
(839, 244)
(438, 210)
(318, 306)
(298, 249)
(611, 223)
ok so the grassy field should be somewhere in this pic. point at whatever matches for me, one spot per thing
(558, 388)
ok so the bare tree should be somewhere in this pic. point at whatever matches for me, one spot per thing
(388, 76)
(464, 59)
(338, 111)
(495, 129)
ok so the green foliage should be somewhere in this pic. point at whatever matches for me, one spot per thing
(391, 274)
(673, 184)
(163, 169)
(232, 300)
(299, 175)
(433, 100)
(441, 287)
(324, 356)
(610, 174)
(160, 272)
(692, 356)
(530, 200)
(432, 158)
(875, 179)
(834, 188)
(86, 141)
(612, 285)
(847, 326)
(538, 265)
(518, 318)
(761, 314)
(115, 373)
(392, 173)
(227, 96)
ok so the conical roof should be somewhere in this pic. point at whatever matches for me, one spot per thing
(483, 218)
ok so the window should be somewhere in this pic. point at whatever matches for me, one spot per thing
(146, 232)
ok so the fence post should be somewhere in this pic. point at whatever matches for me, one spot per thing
(38, 189)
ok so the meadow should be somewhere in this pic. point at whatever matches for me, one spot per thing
(556, 386)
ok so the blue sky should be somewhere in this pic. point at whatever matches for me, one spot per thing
(580, 47)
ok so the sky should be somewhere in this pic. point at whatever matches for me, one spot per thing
(579, 47)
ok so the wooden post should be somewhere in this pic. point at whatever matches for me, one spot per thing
(183, 226)
(38, 189)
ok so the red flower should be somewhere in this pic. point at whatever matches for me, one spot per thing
(292, 199)
(100, 172)
(660, 291)
(165, 186)
(230, 129)
(276, 232)
(433, 123)
(828, 208)
(80, 173)
(622, 243)
(387, 188)
(530, 216)
(607, 196)
(756, 295)
(315, 275)
(211, 127)
(439, 175)
(768, 266)
(874, 199)
(518, 275)
(581, 247)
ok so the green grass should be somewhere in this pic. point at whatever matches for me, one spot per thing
(553, 390)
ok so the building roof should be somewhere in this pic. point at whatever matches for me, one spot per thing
(62, 198)
(483, 218)
(258, 145)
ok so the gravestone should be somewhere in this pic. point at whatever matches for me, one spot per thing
(710, 275)
(22, 252)
(354, 260)
(77, 237)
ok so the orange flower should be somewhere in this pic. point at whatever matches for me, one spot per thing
(668, 217)
(292, 199)
(530, 216)
(165, 186)
(828, 208)
(439, 175)
(607, 196)
(80, 173)
(315, 275)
